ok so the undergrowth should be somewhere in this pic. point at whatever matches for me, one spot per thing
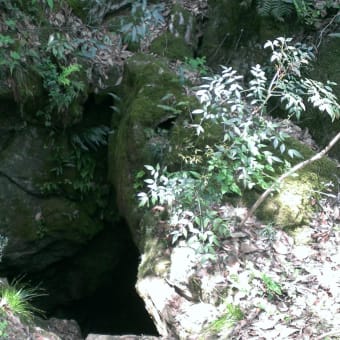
(248, 151)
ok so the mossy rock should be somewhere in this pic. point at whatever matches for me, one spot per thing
(172, 47)
(146, 81)
(292, 205)
(46, 226)
(227, 23)
(41, 231)
(180, 41)
(155, 261)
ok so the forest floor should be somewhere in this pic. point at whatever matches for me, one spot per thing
(287, 287)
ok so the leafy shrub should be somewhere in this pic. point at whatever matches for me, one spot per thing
(197, 64)
(310, 12)
(272, 287)
(243, 157)
(62, 90)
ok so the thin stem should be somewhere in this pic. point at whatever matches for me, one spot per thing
(271, 87)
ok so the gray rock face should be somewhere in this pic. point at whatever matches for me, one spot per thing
(60, 329)
(41, 228)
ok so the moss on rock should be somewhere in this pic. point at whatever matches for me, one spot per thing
(180, 41)
(226, 25)
(292, 205)
(172, 47)
(147, 80)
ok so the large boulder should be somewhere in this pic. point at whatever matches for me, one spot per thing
(164, 277)
(136, 141)
(41, 227)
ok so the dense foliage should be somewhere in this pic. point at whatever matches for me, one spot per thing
(251, 149)
(309, 12)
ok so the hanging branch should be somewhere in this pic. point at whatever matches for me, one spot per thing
(291, 171)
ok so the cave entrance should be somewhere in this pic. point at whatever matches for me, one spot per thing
(113, 307)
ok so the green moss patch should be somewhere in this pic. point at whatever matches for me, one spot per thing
(292, 205)
(147, 80)
(170, 46)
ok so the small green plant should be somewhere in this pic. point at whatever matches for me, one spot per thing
(308, 12)
(9, 58)
(50, 3)
(63, 90)
(5, 41)
(91, 138)
(137, 26)
(197, 64)
(17, 298)
(272, 287)
(279, 9)
(232, 315)
(269, 232)
(60, 46)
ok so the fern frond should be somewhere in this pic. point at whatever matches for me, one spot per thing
(91, 138)
(277, 9)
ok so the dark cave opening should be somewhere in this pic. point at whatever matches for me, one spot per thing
(93, 283)
(115, 307)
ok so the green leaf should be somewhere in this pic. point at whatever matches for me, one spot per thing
(334, 35)
(294, 153)
(282, 148)
(50, 3)
(15, 55)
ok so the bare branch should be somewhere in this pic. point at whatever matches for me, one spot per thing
(291, 171)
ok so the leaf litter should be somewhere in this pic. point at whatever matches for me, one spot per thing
(288, 287)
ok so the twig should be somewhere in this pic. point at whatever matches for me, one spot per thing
(219, 46)
(324, 29)
(291, 171)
